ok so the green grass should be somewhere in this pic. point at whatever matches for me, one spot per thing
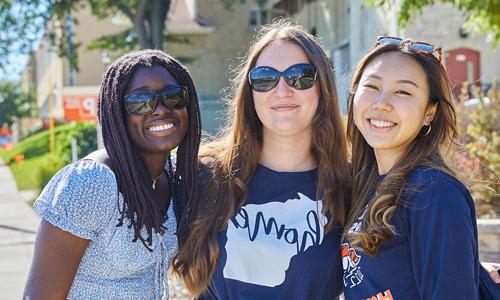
(26, 174)
(39, 166)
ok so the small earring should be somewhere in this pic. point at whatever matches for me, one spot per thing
(428, 130)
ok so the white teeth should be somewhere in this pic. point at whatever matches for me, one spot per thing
(161, 127)
(380, 123)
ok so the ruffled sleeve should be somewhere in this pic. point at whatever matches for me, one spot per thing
(81, 199)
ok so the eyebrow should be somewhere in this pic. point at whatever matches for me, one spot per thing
(399, 81)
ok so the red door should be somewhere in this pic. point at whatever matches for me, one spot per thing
(463, 64)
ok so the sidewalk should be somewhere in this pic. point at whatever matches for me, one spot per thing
(18, 225)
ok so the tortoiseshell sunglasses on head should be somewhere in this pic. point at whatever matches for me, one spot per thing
(420, 47)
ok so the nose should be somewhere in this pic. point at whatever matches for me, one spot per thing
(160, 107)
(382, 102)
(282, 88)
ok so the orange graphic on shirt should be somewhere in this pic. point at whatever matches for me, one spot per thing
(350, 261)
(385, 296)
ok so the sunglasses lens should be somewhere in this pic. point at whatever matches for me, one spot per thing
(300, 76)
(422, 47)
(263, 79)
(389, 40)
(143, 103)
(140, 103)
(175, 97)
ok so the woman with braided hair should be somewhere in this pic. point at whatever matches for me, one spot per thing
(109, 221)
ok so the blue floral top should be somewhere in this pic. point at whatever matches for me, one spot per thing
(83, 199)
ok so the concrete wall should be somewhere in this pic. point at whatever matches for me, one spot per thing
(489, 239)
(215, 55)
(87, 28)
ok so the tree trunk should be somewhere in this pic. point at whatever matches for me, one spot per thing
(157, 16)
(140, 24)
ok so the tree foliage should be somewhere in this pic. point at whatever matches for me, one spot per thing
(23, 22)
(483, 16)
(14, 102)
(21, 25)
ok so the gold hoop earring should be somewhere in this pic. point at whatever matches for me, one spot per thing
(428, 130)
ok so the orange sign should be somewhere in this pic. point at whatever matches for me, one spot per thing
(80, 108)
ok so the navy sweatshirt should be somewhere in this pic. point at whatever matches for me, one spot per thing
(434, 254)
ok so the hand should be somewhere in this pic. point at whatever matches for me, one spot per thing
(493, 269)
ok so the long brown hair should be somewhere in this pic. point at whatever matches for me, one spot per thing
(425, 150)
(231, 160)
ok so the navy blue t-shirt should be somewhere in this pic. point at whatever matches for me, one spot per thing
(275, 246)
(434, 254)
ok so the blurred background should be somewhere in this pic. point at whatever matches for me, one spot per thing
(53, 55)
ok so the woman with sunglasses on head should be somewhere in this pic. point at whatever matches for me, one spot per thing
(276, 183)
(109, 221)
(411, 232)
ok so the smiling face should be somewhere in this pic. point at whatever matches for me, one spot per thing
(284, 110)
(163, 129)
(391, 104)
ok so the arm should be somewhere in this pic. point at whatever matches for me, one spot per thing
(75, 206)
(443, 242)
(55, 261)
(493, 270)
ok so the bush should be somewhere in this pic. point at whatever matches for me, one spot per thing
(481, 138)
(39, 143)
(46, 172)
(85, 135)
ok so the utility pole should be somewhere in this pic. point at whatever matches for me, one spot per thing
(52, 139)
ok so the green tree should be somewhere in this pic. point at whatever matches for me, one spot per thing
(21, 24)
(483, 17)
(14, 102)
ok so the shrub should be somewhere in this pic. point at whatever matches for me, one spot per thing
(46, 172)
(481, 139)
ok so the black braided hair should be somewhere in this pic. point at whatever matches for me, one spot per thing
(128, 163)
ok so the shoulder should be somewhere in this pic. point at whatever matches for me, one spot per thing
(80, 198)
(435, 180)
(435, 189)
(100, 156)
(88, 172)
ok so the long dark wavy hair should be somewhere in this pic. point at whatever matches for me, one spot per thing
(231, 160)
(131, 173)
(425, 150)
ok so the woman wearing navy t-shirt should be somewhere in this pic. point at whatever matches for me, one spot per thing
(412, 232)
(268, 224)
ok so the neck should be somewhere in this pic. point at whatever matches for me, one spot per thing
(155, 162)
(386, 160)
(287, 153)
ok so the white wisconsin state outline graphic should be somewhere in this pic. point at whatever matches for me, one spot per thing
(265, 260)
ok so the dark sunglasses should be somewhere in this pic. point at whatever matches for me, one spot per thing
(299, 76)
(420, 47)
(144, 102)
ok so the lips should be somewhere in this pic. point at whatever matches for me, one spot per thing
(284, 107)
